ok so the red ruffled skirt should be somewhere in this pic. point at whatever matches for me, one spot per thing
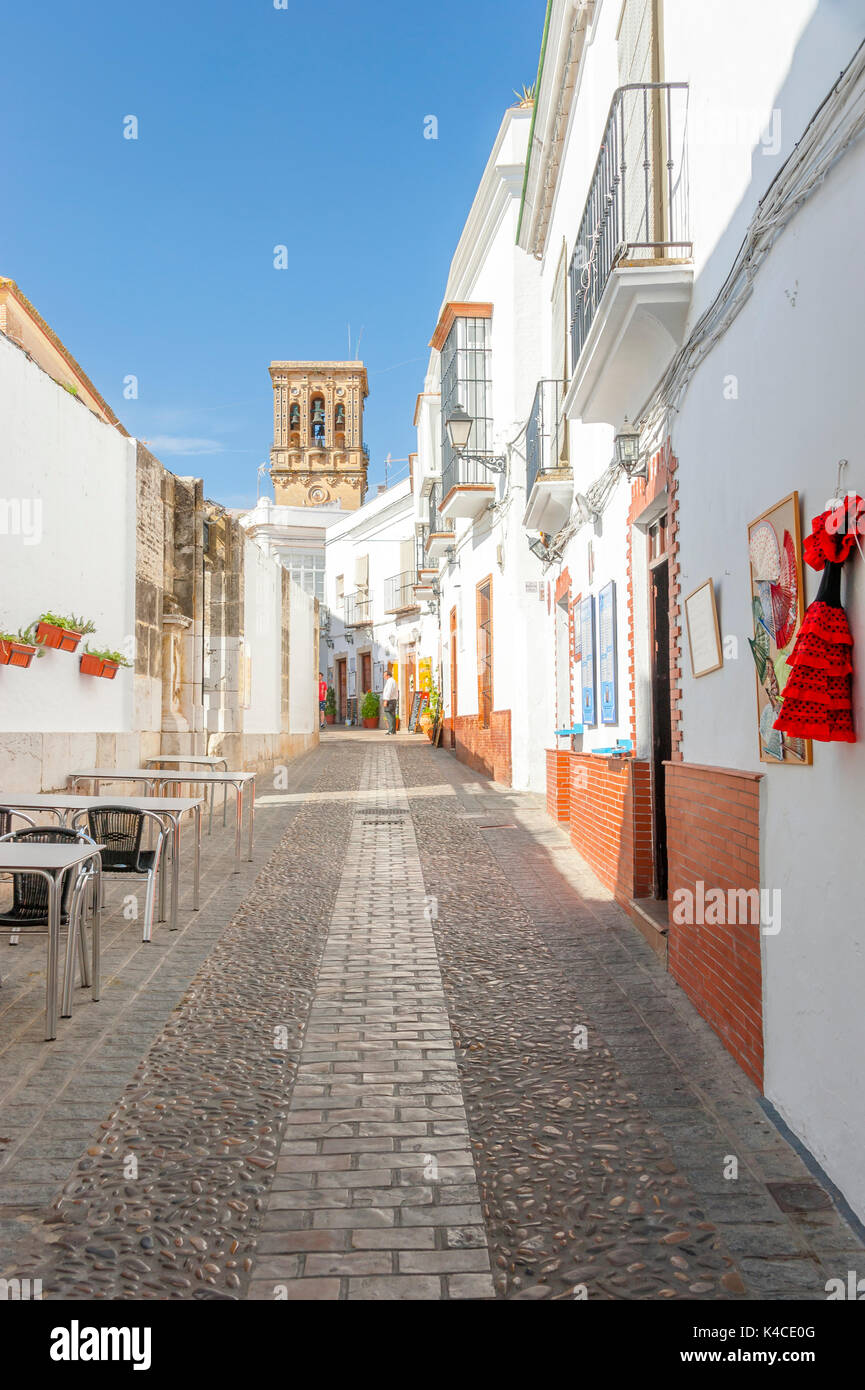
(817, 698)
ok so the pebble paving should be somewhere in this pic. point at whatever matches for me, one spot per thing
(425, 1057)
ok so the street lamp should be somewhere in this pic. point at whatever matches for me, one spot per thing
(539, 548)
(627, 446)
(459, 426)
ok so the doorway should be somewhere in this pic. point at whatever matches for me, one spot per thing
(454, 687)
(341, 689)
(365, 672)
(662, 741)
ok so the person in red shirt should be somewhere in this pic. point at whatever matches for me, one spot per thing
(322, 700)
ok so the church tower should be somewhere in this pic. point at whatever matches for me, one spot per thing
(318, 452)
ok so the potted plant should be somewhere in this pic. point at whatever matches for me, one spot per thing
(18, 648)
(102, 663)
(369, 710)
(64, 634)
(330, 706)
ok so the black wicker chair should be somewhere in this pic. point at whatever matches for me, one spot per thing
(30, 904)
(120, 831)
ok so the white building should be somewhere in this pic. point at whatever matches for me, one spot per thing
(686, 227)
(469, 505)
(373, 613)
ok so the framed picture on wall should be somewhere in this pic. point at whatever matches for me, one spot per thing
(587, 661)
(607, 668)
(704, 635)
(777, 608)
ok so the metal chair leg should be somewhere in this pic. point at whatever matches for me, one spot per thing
(148, 906)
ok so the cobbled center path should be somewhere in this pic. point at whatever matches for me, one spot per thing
(375, 1195)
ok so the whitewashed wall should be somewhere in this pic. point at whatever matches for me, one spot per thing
(302, 663)
(56, 455)
(262, 627)
(794, 417)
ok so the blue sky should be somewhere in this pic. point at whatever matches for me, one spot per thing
(257, 127)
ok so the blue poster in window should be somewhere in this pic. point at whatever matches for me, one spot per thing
(587, 664)
(607, 675)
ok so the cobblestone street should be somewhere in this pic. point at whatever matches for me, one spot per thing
(414, 1051)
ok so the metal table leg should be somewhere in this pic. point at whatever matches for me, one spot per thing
(53, 943)
(251, 812)
(96, 931)
(238, 788)
(174, 816)
(196, 890)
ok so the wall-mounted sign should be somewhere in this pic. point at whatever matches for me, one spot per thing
(352, 677)
(607, 672)
(377, 676)
(704, 635)
(587, 661)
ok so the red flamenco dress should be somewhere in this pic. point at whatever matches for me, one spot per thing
(817, 698)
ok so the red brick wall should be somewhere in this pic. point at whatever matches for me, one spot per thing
(611, 821)
(713, 830)
(486, 750)
(559, 784)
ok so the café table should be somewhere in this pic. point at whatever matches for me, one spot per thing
(173, 809)
(154, 780)
(52, 862)
(196, 760)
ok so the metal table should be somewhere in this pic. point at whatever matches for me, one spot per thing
(197, 760)
(154, 780)
(172, 808)
(52, 862)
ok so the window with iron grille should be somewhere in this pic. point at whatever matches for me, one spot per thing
(485, 651)
(466, 381)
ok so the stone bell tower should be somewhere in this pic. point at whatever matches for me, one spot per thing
(318, 452)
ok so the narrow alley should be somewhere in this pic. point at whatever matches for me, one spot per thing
(415, 1052)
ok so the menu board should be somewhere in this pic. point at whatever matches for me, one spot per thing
(419, 699)
(587, 662)
(607, 674)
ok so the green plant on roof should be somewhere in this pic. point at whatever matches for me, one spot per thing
(527, 96)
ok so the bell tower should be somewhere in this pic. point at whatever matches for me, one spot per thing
(318, 452)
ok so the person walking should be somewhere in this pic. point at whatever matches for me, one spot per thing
(322, 700)
(390, 696)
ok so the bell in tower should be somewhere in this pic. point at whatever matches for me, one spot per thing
(321, 458)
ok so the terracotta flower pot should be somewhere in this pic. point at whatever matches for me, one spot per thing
(16, 653)
(64, 639)
(371, 723)
(91, 665)
(109, 670)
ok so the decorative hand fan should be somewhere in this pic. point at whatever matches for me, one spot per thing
(764, 552)
(759, 644)
(785, 594)
(771, 739)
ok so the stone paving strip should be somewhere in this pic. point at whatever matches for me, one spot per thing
(165, 1198)
(375, 1195)
(602, 1157)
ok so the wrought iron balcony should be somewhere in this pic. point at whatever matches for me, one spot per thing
(440, 529)
(399, 592)
(636, 213)
(545, 435)
(358, 609)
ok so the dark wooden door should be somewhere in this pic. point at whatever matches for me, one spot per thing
(341, 690)
(661, 715)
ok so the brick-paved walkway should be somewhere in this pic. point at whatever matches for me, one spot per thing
(355, 1074)
(375, 1194)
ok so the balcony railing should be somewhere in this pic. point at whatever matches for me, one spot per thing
(420, 560)
(459, 471)
(438, 525)
(637, 208)
(358, 610)
(544, 432)
(399, 592)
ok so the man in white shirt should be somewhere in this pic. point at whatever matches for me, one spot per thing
(390, 695)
